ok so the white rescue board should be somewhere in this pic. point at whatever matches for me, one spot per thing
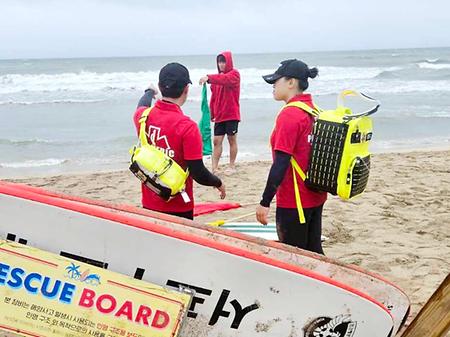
(245, 286)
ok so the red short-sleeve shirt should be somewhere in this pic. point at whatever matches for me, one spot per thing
(292, 135)
(179, 137)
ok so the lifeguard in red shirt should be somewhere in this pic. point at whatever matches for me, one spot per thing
(178, 136)
(291, 138)
(224, 106)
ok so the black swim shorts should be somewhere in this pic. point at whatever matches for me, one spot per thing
(228, 127)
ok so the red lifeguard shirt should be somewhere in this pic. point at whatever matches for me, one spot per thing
(292, 135)
(179, 137)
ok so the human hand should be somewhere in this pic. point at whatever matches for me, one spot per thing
(221, 189)
(203, 80)
(262, 214)
(153, 88)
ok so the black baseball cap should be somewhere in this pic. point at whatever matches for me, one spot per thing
(289, 68)
(174, 75)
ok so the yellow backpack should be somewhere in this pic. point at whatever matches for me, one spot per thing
(154, 168)
(340, 159)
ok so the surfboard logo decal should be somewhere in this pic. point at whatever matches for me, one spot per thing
(339, 326)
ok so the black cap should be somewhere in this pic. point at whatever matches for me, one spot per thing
(174, 75)
(289, 68)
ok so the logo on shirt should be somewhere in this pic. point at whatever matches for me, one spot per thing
(154, 135)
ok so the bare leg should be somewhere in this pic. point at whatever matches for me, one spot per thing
(232, 140)
(217, 152)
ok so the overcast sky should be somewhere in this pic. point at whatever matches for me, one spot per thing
(84, 28)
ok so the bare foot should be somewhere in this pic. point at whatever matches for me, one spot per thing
(230, 171)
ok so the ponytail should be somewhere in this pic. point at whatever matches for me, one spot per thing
(313, 72)
(303, 83)
(303, 72)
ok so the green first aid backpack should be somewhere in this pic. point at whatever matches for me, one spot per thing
(340, 159)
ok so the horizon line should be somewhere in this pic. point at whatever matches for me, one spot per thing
(193, 55)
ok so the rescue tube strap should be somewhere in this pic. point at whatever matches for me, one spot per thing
(143, 136)
(142, 122)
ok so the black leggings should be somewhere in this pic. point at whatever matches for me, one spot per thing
(292, 232)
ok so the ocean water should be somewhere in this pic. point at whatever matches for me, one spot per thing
(74, 115)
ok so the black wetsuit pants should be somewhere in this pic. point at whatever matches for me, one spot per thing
(292, 232)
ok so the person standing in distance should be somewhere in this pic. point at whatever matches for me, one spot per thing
(224, 106)
(178, 136)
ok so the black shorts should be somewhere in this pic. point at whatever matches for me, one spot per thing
(228, 127)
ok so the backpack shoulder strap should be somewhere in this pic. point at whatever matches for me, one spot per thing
(298, 202)
(305, 107)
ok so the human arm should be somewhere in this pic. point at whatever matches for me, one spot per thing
(201, 175)
(230, 79)
(276, 175)
(149, 94)
(212, 103)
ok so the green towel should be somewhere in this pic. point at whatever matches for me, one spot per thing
(205, 123)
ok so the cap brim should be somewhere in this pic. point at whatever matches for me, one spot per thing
(272, 78)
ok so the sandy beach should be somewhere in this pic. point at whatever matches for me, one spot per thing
(399, 228)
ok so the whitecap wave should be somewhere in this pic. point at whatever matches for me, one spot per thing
(24, 141)
(92, 87)
(84, 81)
(34, 163)
(394, 86)
(436, 66)
(52, 101)
(436, 114)
(137, 81)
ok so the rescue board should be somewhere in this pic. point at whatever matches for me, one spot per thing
(244, 286)
(376, 286)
